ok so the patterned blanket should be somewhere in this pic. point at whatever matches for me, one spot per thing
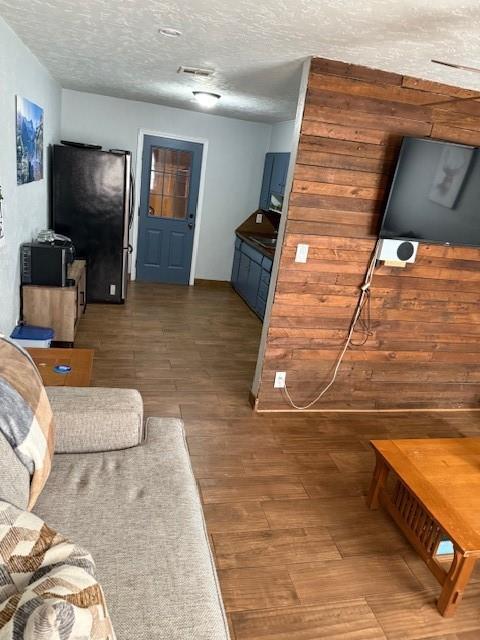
(26, 418)
(48, 588)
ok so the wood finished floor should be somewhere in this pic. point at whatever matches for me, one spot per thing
(299, 555)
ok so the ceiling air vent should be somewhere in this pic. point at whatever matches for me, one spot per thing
(196, 71)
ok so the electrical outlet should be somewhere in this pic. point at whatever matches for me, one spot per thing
(280, 377)
(302, 253)
(113, 289)
(259, 218)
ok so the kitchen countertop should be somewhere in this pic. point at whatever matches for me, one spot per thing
(250, 239)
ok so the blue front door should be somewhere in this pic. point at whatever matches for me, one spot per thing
(168, 206)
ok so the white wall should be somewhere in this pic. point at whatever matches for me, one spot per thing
(236, 154)
(281, 139)
(25, 206)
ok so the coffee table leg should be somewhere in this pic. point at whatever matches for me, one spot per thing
(455, 583)
(378, 481)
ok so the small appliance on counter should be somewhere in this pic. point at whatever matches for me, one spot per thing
(46, 260)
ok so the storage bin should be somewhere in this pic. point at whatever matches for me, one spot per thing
(26, 335)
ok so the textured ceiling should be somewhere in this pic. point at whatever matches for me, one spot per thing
(256, 46)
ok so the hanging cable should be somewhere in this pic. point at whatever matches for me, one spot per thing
(364, 299)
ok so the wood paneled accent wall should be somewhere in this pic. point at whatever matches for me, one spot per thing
(425, 347)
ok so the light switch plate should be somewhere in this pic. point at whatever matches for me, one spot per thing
(259, 218)
(302, 253)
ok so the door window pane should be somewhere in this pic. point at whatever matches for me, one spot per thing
(155, 205)
(181, 186)
(169, 184)
(170, 176)
(156, 182)
(158, 158)
(184, 160)
(174, 207)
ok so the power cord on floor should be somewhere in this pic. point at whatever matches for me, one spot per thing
(364, 299)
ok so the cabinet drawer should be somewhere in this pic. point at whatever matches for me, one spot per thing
(253, 284)
(267, 264)
(266, 275)
(235, 266)
(252, 253)
(261, 306)
(243, 269)
(263, 290)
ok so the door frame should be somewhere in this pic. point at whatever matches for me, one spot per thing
(138, 186)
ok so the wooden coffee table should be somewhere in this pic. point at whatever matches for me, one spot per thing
(435, 495)
(80, 360)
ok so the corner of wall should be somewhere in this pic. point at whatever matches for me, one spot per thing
(302, 93)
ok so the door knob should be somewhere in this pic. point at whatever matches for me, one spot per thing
(190, 225)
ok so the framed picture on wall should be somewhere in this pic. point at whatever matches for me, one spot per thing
(29, 141)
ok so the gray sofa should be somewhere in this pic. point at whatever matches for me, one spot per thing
(128, 495)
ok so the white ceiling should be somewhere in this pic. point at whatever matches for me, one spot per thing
(113, 47)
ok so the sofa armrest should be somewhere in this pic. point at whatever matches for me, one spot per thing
(89, 419)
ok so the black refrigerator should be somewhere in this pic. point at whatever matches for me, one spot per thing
(92, 203)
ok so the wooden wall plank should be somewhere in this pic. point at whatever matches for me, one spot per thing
(339, 161)
(334, 202)
(352, 86)
(456, 134)
(424, 345)
(373, 106)
(334, 175)
(437, 87)
(344, 132)
(362, 229)
(335, 67)
(366, 120)
(342, 190)
(346, 147)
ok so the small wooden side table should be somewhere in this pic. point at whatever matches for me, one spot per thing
(57, 307)
(80, 360)
(435, 495)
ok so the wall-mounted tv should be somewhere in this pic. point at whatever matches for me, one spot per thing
(435, 194)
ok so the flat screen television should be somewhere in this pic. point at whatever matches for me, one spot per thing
(435, 194)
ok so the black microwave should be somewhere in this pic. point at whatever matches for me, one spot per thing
(46, 264)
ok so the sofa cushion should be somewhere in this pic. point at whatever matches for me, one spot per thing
(48, 587)
(14, 477)
(26, 419)
(91, 419)
(138, 512)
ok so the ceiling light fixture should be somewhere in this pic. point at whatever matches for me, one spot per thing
(206, 99)
(169, 32)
